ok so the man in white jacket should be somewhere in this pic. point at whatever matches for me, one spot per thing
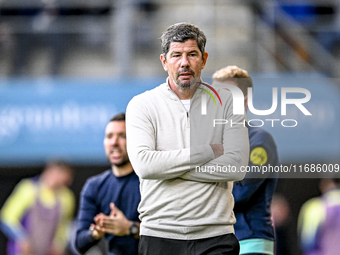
(186, 163)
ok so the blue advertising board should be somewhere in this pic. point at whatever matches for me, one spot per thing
(45, 118)
(301, 137)
(42, 119)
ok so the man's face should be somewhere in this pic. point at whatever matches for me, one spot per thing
(63, 177)
(184, 63)
(115, 143)
(57, 177)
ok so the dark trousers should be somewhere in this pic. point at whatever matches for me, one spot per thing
(218, 245)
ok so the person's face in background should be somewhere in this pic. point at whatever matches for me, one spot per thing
(115, 143)
(56, 177)
(184, 63)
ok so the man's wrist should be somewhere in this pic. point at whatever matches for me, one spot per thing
(134, 229)
(94, 233)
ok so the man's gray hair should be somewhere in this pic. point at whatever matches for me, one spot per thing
(180, 32)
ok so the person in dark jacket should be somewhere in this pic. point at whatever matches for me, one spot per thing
(109, 201)
(253, 194)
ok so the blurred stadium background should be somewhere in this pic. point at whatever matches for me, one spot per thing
(67, 66)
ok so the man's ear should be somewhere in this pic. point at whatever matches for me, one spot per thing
(204, 57)
(163, 60)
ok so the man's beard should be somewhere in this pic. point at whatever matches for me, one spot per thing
(186, 84)
(124, 161)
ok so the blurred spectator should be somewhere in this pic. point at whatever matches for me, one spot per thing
(253, 195)
(281, 217)
(109, 201)
(319, 221)
(36, 216)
